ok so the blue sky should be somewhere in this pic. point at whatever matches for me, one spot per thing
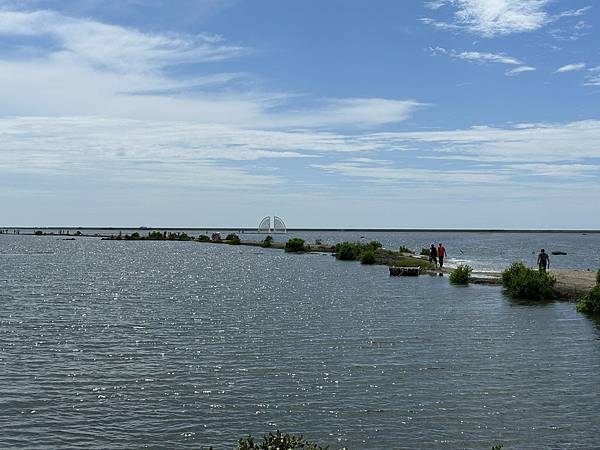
(448, 113)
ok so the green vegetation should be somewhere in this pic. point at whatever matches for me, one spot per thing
(367, 257)
(267, 242)
(295, 245)
(590, 302)
(461, 275)
(425, 252)
(278, 441)
(203, 238)
(39, 233)
(154, 236)
(404, 249)
(281, 441)
(351, 251)
(524, 283)
(233, 239)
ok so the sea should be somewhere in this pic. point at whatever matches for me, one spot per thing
(157, 344)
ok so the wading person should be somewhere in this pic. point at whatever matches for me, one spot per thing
(441, 253)
(543, 261)
(433, 255)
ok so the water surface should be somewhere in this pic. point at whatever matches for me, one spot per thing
(177, 345)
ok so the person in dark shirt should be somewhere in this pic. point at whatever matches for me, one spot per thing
(543, 261)
(433, 255)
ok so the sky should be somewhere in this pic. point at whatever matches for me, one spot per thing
(327, 113)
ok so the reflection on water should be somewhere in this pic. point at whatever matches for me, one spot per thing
(168, 344)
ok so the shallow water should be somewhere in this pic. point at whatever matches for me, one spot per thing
(166, 344)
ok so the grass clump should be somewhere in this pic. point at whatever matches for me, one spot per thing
(425, 252)
(461, 275)
(278, 441)
(295, 245)
(525, 283)
(590, 302)
(367, 257)
(404, 249)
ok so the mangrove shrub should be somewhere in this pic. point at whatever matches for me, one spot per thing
(367, 257)
(295, 245)
(351, 251)
(525, 283)
(278, 441)
(590, 302)
(461, 275)
(203, 238)
(425, 252)
(404, 249)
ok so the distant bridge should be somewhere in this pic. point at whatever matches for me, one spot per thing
(278, 225)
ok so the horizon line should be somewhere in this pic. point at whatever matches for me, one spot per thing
(339, 229)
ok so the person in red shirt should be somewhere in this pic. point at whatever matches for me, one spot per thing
(441, 251)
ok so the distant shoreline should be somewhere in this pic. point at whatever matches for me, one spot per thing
(362, 230)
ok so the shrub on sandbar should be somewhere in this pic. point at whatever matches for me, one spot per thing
(203, 238)
(590, 302)
(598, 277)
(233, 239)
(525, 283)
(404, 249)
(367, 257)
(461, 275)
(347, 251)
(295, 245)
(268, 242)
(351, 251)
(425, 252)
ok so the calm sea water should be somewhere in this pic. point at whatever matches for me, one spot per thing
(108, 344)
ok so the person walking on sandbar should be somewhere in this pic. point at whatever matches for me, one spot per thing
(433, 255)
(441, 253)
(543, 261)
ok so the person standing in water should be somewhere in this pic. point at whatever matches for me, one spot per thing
(433, 255)
(543, 261)
(441, 253)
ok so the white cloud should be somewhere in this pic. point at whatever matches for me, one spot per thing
(484, 58)
(490, 18)
(383, 174)
(570, 68)
(519, 70)
(593, 77)
(487, 57)
(572, 141)
(113, 47)
(83, 67)
(362, 112)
